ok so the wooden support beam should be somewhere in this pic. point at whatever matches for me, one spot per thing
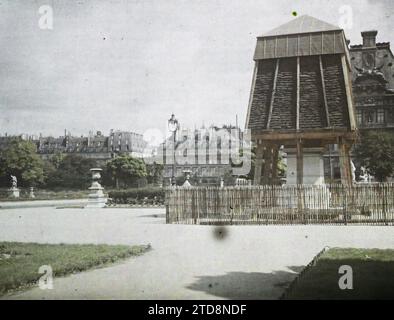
(324, 92)
(273, 94)
(267, 174)
(298, 95)
(300, 162)
(349, 95)
(258, 164)
(344, 162)
(256, 66)
(271, 135)
(275, 157)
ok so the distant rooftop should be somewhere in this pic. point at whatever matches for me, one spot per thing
(302, 24)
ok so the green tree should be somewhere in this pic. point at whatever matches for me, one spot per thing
(72, 172)
(56, 159)
(375, 152)
(126, 169)
(20, 159)
(154, 172)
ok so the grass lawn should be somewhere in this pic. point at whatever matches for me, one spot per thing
(373, 275)
(19, 262)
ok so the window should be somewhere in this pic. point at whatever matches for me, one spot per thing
(359, 117)
(380, 116)
(371, 115)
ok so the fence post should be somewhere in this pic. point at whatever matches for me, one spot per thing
(167, 213)
(345, 200)
(385, 204)
(167, 205)
(194, 207)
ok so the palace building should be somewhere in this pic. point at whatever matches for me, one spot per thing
(373, 92)
(373, 82)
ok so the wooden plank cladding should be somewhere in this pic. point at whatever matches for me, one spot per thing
(261, 99)
(283, 114)
(335, 91)
(306, 44)
(322, 104)
(311, 94)
(359, 204)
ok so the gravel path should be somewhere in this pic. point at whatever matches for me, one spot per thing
(186, 262)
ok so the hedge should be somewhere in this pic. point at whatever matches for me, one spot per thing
(137, 196)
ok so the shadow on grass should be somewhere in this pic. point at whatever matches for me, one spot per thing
(246, 285)
(371, 280)
(372, 274)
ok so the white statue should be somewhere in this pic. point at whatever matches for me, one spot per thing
(14, 182)
(14, 191)
(364, 175)
(353, 171)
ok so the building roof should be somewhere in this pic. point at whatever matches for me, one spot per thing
(307, 93)
(303, 36)
(302, 24)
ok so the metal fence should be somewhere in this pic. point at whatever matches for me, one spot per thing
(369, 204)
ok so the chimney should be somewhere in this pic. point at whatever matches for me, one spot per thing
(369, 38)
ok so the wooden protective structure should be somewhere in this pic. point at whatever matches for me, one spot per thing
(368, 204)
(301, 95)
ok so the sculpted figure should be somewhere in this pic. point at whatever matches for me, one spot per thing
(14, 181)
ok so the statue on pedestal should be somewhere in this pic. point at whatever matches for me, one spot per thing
(97, 198)
(364, 176)
(14, 182)
(187, 183)
(14, 191)
(31, 193)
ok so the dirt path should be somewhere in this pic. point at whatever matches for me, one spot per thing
(186, 262)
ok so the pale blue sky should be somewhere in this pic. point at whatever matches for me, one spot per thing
(130, 64)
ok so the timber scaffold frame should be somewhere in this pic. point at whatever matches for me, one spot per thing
(301, 96)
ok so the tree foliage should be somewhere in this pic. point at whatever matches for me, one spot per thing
(154, 172)
(126, 170)
(19, 158)
(71, 171)
(375, 152)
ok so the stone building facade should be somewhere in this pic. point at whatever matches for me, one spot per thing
(373, 82)
(204, 157)
(95, 146)
(373, 92)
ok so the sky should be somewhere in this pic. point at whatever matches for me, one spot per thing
(128, 65)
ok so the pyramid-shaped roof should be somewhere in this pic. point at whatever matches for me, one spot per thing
(302, 24)
(300, 37)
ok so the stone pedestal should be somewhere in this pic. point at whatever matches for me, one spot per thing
(13, 192)
(97, 198)
(313, 166)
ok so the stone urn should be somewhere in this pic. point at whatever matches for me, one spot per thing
(31, 193)
(97, 198)
(187, 174)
